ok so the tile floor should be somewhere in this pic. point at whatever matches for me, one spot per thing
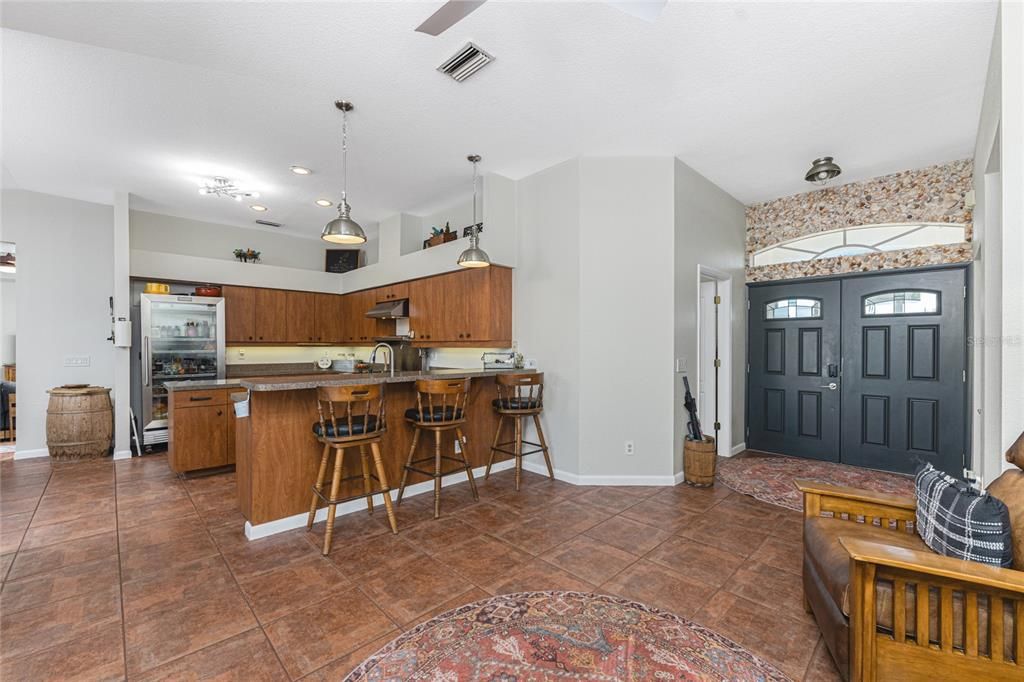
(121, 570)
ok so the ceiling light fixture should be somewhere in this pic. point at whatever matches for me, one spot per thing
(343, 230)
(823, 170)
(8, 262)
(323, 202)
(222, 187)
(301, 170)
(258, 207)
(474, 256)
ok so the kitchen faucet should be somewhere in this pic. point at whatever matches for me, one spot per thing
(390, 360)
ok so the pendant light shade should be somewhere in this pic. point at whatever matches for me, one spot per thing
(474, 256)
(343, 230)
(823, 170)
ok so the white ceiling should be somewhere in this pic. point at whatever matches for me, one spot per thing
(150, 97)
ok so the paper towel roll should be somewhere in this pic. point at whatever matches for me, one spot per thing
(123, 333)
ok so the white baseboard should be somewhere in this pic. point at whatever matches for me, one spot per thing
(30, 454)
(122, 454)
(737, 450)
(263, 530)
(578, 479)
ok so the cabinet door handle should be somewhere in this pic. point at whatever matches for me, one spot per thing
(220, 413)
(199, 400)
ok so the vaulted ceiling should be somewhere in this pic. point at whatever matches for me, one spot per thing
(151, 97)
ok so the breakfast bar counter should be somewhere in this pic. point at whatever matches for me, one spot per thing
(277, 455)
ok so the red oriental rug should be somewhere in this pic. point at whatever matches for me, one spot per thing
(534, 636)
(771, 479)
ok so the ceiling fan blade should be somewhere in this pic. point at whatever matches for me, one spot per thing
(648, 10)
(450, 13)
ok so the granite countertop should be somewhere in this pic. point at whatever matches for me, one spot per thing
(298, 383)
(198, 384)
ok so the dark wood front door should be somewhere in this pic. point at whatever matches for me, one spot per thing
(794, 355)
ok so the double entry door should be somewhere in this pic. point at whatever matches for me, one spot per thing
(866, 370)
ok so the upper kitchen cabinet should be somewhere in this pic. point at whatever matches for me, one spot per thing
(465, 307)
(271, 315)
(239, 314)
(330, 318)
(393, 292)
(300, 317)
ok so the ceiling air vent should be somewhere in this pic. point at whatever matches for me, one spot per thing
(465, 62)
(268, 223)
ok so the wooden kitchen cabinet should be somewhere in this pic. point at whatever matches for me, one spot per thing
(271, 315)
(426, 309)
(198, 423)
(239, 314)
(392, 292)
(466, 307)
(330, 318)
(300, 314)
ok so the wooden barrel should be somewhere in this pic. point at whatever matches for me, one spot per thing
(79, 422)
(699, 461)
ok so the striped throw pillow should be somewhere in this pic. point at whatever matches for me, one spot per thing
(958, 521)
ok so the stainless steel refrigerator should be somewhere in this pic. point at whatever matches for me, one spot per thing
(179, 337)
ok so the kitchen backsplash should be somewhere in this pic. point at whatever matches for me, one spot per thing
(458, 358)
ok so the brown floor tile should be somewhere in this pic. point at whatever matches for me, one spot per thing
(628, 535)
(52, 557)
(481, 558)
(308, 639)
(292, 586)
(380, 555)
(781, 553)
(215, 503)
(69, 508)
(69, 581)
(143, 561)
(530, 498)
(537, 534)
(661, 516)
(696, 560)
(18, 504)
(474, 594)
(418, 588)
(536, 576)
(786, 643)
(95, 656)
(770, 587)
(12, 534)
(746, 511)
(489, 518)
(437, 536)
(340, 667)
(724, 534)
(137, 537)
(789, 526)
(352, 528)
(245, 657)
(610, 499)
(152, 491)
(130, 471)
(224, 483)
(5, 564)
(26, 632)
(590, 559)
(177, 509)
(655, 585)
(575, 516)
(689, 498)
(266, 554)
(63, 532)
(822, 668)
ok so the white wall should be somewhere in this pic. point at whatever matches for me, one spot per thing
(710, 229)
(65, 259)
(8, 318)
(626, 314)
(998, 309)
(546, 295)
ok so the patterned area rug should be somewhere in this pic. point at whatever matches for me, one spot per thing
(770, 479)
(534, 636)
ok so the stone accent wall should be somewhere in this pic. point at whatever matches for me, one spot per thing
(933, 194)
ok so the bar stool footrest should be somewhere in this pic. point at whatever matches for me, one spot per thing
(512, 453)
(327, 500)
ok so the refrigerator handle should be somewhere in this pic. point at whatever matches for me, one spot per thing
(147, 369)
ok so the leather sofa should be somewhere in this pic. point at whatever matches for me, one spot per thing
(864, 566)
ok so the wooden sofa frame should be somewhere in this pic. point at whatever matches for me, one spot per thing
(879, 655)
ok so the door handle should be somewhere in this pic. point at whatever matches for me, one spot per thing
(147, 358)
(830, 386)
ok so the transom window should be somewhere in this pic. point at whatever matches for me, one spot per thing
(908, 302)
(856, 241)
(793, 309)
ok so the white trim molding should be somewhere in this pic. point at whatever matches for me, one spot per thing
(578, 479)
(30, 454)
(737, 449)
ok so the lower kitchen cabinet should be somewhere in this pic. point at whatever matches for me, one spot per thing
(201, 428)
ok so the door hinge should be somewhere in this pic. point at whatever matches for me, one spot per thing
(718, 300)
(747, 431)
(748, 368)
(718, 363)
(718, 426)
(965, 376)
(965, 292)
(748, 304)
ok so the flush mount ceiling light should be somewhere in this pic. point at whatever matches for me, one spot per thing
(323, 202)
(474, 256)
(301, 170)
(258, 207)
(823, 170)
(222, 187)
(343, 230)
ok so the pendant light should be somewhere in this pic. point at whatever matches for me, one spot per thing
(474, 256)
(823, 170)
(343, 230)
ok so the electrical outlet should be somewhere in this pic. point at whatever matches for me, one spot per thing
(530, 363)
(630, 449)
(459, 444)
(241, 354)
(77, 360)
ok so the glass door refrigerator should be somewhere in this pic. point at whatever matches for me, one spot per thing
(182, 337)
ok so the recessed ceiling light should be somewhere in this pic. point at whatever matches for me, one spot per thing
(301, 170)
(323, 202)
(257, 207)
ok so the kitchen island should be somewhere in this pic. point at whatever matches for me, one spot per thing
(277, 455)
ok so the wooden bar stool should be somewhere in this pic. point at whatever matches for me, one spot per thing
(350, 416)
(440, 407)
(519, 396)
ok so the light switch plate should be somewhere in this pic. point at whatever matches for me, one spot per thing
(77, 360)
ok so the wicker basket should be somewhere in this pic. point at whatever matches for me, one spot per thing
(79, 422)
(699, 462)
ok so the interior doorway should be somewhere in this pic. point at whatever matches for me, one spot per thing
(8, 333)
(714, 368)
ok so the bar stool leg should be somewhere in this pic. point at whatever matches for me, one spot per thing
(408, 463)
(367, 487)
(519, 451)
(332, 507)
(494, 446)
(379, 464)
(319, 486)
(543, 445)
(437, 474)
(465, 460)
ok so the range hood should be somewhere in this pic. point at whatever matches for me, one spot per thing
(390, 310)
